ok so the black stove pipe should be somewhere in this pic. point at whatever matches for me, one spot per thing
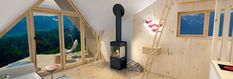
(118, 11)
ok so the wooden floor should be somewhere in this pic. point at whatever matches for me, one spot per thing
(96, 71)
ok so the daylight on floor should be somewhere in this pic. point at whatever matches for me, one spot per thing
(116, 39)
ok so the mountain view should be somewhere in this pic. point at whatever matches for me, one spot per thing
(14, 44)
(194, 24)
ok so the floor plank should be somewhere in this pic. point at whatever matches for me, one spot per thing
(96, 71)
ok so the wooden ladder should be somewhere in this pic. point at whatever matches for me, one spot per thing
(157, 37)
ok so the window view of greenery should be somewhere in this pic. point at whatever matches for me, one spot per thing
(211, 24)
(14, 44)
(46, 34)
(192, 24)
(72, 39)
(71, 33)
(47, 39)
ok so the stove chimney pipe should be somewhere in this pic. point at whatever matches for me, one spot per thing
(118, 11)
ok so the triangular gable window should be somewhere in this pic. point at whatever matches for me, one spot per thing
(14, 44)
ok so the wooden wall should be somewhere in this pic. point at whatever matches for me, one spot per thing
(182, 57)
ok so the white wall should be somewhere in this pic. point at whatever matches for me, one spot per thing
(11, 9)
(98, 14)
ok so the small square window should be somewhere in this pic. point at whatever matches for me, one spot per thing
(192, 24)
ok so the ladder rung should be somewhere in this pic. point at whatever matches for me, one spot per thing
(159, 31)
(167, 6)
(162, 19)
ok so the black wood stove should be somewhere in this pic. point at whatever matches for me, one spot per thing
(118, 47)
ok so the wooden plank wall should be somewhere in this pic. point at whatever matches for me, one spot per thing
(182, 57)
(226, 24)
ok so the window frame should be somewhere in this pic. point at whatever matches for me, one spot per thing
(30, 29)
(206, 23)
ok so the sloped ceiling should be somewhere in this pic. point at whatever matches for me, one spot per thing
(99, 13)
(11, 9)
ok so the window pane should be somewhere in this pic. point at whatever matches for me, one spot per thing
(47, 40)
(72, 39)
(14, 44)
(192, 24)
(231, 24)
(211, 23)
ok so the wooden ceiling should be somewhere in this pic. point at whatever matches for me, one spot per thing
(180, 2)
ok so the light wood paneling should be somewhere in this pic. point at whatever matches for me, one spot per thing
(147, 50)
(31, 35)
(181, 58)
(61, 40)
(214, 52)
(38, 3)
(206, 23)
(64, 5)
(226, 25)
(53, 11)
(97, 71)
(82, 40)
(181, 2)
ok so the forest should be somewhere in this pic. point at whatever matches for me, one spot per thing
(14, 44)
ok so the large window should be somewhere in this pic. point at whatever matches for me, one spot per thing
(14, 44)
(194, 23)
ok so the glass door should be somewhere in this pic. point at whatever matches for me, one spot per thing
(47, 40)
(72, 38)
